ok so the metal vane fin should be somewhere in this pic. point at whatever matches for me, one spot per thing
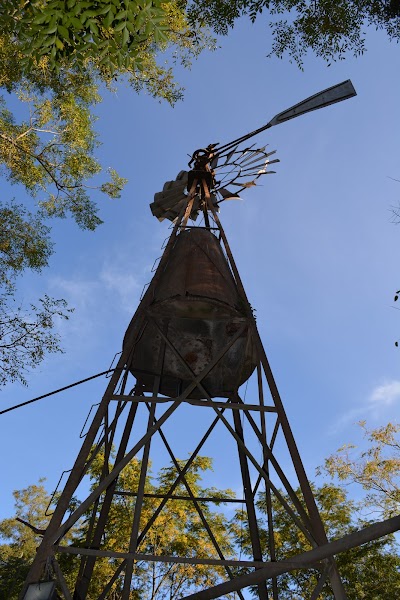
(229, 156)
(227, 195)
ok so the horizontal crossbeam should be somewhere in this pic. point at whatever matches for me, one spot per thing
(194, 402)
(188, 498)
(151, 558)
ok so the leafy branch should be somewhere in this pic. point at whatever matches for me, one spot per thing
(26, 335)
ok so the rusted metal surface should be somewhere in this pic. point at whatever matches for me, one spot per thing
(197, 299)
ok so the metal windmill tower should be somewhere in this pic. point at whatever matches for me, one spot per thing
(192, 343)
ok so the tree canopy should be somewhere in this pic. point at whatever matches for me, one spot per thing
(331, 29)
(56, 58)
(376, 469)
(368, 571)
(177, 531)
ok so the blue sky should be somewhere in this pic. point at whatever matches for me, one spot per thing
(314, 244)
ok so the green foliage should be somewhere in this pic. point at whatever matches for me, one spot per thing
(27, 335)
(24, 242)
(50, 152)
(376, 469)
(111, 38)
(54, 57)
(111, 33)
(54, 54)
(21, 542)
(176, 531)
(329, 28)
(369, 571)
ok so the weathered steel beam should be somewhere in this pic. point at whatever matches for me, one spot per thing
(61, 579)
(268, 496)
(196, 498)
(162, 558)
(194, 402)
(54, 529)
(142, 479)
(250, 508)
(321, 582)
(301, 561)
(318, 527)
(121, 567)
(303, 526)
(87, 567)
(197, 506)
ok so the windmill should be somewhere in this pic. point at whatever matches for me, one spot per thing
(192, 345)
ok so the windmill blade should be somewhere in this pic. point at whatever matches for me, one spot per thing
(263, 166)
(227, 195)
(230, 154)
(245, 185)
(250, 155)
(247, 156)
(256, 169)
(245, 168)
(214, 162)
(259, 159)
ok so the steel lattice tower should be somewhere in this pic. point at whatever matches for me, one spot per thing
(193, 342)
(265, 419)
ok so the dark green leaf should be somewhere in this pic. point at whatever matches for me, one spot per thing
(125, 36)
(40, 19)
(50, 30)
(76, 23)
(63, 31)
(50, 40)
(119, 27)
(108, 19)
(104, 10)
(121, 15)
(94, 28)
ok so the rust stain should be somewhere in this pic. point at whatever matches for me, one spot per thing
(190, 358)
(232, 328)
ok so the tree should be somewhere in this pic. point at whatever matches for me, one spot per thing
(177, 531)
(19, 551)
(369, 571)
(329, 28)
(376, 469)
(55, 55)
(27, 335)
